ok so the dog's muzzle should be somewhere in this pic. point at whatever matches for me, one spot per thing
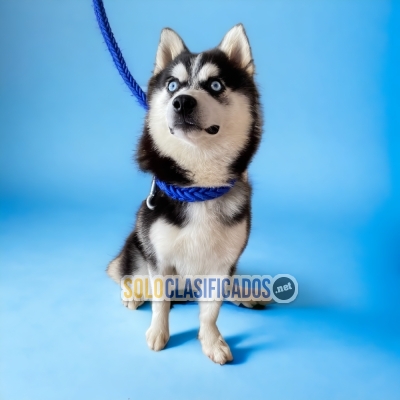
(185, 115)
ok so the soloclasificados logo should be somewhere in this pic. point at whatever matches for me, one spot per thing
(282, 288)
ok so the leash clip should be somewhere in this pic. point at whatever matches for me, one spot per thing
(151, 194)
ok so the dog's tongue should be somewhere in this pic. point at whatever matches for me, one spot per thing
(212, 130)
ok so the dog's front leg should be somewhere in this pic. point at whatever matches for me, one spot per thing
(157, 335)
(212, 343)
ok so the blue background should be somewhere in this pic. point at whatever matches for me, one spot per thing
(326, 203)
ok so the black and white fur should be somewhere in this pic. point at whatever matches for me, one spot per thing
(208, 143)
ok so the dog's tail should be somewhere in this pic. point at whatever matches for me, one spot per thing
(114, 268)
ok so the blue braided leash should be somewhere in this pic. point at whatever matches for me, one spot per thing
(192, 194)
(189, 194)
(116, 53)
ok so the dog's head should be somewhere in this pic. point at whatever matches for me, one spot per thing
(204, 108)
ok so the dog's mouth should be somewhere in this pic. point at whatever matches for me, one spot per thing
(189, 126)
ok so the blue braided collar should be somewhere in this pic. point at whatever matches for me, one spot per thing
(192, 194)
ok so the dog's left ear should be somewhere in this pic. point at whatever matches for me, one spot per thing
(170, 46)
(236, 46)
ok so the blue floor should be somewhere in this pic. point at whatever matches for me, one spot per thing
(65, 334)
(326, 204)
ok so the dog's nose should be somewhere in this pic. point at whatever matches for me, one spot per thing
(184, 104)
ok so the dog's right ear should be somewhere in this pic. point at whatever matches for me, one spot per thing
(170, 46)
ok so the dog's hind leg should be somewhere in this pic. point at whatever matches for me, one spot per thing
(141, 270)
(129, 262)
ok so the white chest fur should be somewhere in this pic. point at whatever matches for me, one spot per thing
(204, 246)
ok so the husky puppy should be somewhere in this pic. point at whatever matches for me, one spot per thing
(202, 129)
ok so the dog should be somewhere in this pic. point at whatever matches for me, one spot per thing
(202, 129)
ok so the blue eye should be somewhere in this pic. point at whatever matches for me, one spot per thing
(172, 86)
(216, 86)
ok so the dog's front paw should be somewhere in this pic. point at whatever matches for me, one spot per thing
(133, 304)
(217, 350)
(157, 338)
